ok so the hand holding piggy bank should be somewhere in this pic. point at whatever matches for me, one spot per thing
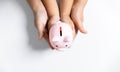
(61, 36)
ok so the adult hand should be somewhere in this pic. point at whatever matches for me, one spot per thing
(77, 14)
(40, 18)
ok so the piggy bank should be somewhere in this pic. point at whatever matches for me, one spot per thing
(60, 36)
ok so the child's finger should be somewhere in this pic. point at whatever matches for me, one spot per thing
(68, 20)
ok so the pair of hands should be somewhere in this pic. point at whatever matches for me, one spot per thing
(45, 16)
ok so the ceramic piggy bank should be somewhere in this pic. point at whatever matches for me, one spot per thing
(60, 36)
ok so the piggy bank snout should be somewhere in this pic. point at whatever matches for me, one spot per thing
(59, 42)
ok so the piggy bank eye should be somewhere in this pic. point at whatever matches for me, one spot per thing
(56, 45)
(66, 45)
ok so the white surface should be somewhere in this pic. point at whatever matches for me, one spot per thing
(98, 51)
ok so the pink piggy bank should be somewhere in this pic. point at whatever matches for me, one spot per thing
(61, 36)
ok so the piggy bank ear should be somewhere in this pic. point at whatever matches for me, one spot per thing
(55, 39)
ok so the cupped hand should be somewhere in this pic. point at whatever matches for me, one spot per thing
(77, 14)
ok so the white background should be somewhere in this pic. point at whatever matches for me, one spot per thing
(98, 51)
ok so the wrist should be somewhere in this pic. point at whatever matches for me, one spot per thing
(63, 16)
